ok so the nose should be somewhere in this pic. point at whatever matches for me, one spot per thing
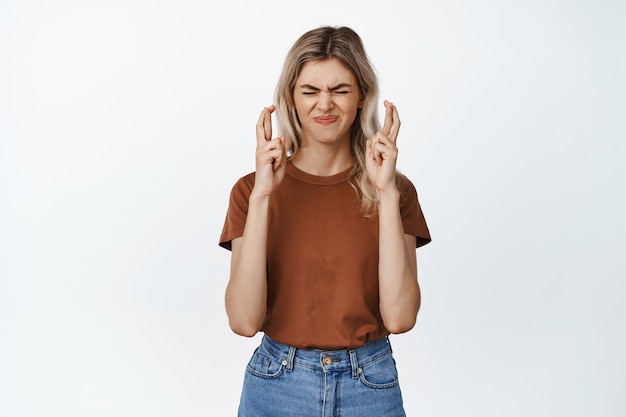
(325, 101)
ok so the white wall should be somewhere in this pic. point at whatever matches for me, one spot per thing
(123, 125)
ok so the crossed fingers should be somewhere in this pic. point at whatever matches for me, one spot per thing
(264, 125)
(270, 151)
(384, 142)
(391, 126)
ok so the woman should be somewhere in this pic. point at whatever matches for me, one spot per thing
(323, 237)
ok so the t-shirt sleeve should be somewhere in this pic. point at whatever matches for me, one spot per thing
(413, 219)
(237, 211)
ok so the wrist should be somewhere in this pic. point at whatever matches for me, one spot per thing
(258, 197)
(388, 197)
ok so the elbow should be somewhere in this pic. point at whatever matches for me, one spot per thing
(245, 323)
(400, 321)
(400, 325)
(244, 329)
(243, 318)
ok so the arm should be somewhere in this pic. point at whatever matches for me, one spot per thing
(397, 268)
(246, 292)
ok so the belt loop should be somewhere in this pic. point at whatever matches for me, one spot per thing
(355, 364)
(290, 356)
(389, 343)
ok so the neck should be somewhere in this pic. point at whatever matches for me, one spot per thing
(323, 160)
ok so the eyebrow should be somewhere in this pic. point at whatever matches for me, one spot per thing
(335, 88)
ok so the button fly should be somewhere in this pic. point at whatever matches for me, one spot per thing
(327, 360)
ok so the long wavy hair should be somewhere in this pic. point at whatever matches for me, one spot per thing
(345, 45)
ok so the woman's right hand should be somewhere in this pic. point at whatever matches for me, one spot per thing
(271, 159)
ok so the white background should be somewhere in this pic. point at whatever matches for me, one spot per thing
(124, 124)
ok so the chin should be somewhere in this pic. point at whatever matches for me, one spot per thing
(328, 140)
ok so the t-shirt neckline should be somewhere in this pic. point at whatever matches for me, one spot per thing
(300, 175)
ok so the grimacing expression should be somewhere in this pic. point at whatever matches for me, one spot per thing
(326, 97)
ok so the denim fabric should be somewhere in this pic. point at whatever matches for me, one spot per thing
(284, 381)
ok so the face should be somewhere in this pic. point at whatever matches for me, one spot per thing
(327, 97)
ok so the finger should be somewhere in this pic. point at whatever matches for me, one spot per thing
(272, 152)
(381, 140)
(388, 118)
(377, 150)
(395, 125)
(280, 160)
(383, 147)
(260, 129)
(270, 146)
(264, 125)
(267, 125)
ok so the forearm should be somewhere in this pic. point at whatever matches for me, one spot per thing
(398, 287)
(246, 293)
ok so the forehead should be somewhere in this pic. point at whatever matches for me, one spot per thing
(325, 73)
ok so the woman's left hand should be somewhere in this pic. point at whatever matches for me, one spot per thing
(381, 152)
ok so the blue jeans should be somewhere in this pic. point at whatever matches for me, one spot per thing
(281, 380)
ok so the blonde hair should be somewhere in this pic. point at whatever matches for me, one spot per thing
(345, 45)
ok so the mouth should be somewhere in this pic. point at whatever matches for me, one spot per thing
(325, 120)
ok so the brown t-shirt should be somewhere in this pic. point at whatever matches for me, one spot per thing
(322, 258)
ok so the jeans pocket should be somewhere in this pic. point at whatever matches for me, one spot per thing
(381, 373)
(264, 365)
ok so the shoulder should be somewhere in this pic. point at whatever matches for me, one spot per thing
(247, 179)
(245, 183)
(406, 187)
(240, 192)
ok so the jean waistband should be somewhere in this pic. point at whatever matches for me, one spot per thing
(328, 360)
